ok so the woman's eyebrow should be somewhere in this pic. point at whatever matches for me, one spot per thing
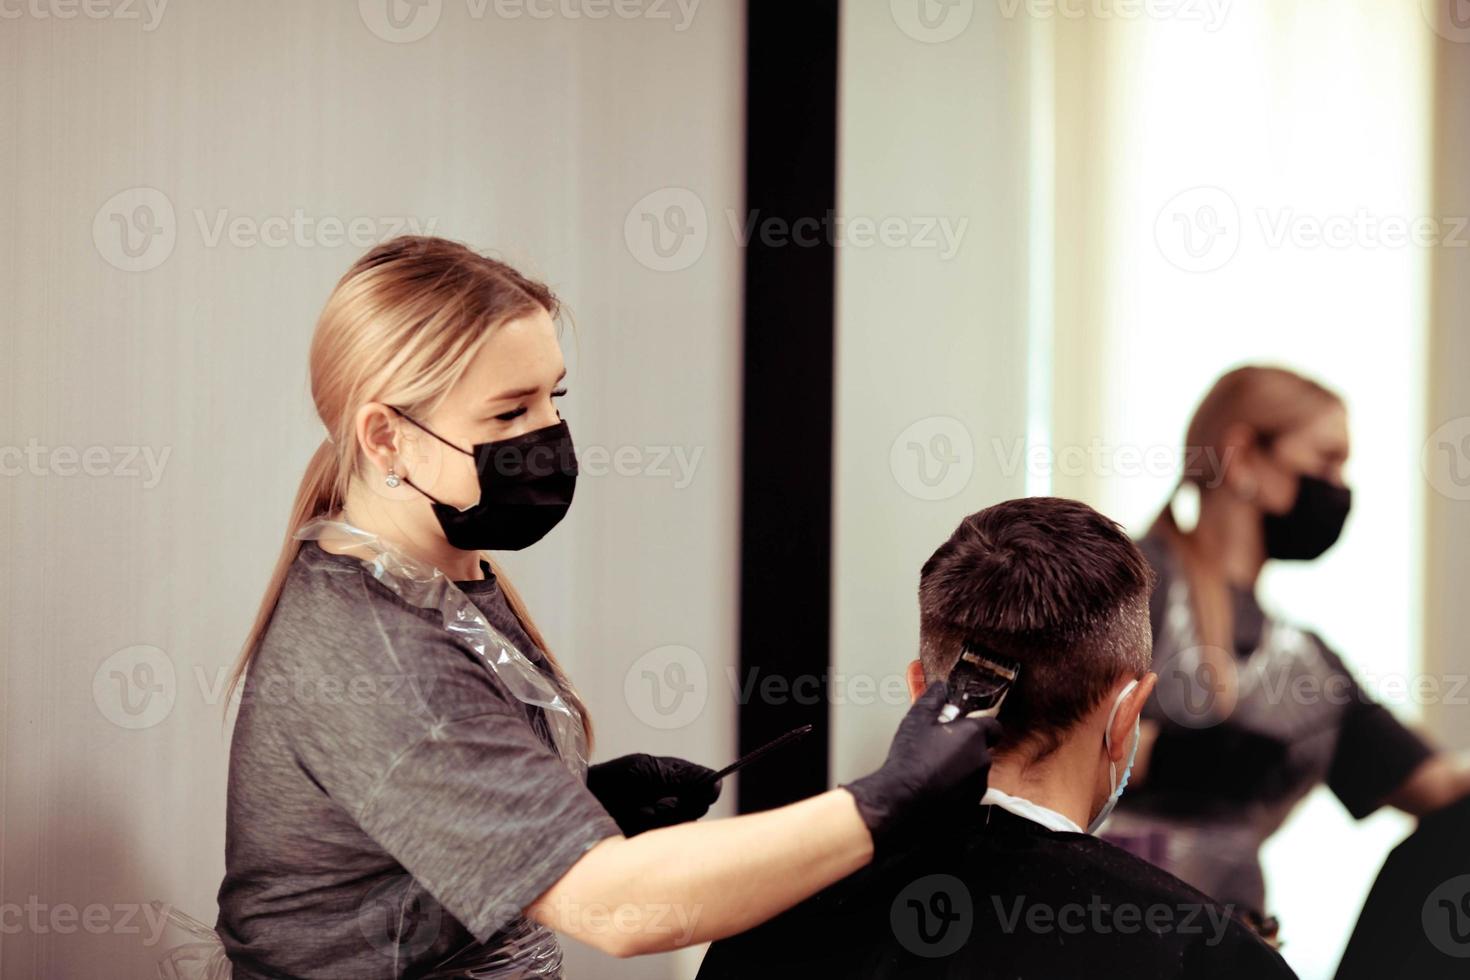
(506, 396)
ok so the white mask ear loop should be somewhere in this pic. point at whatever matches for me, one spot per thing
(1115, 789)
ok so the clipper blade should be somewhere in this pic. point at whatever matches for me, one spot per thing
(978, 684)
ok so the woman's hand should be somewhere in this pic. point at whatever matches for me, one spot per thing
(645, 792)
(930, 765)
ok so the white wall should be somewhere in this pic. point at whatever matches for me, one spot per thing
(932, 324)
(534, 137)
(1447, 421)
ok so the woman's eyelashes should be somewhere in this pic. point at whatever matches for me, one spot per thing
(520, 410)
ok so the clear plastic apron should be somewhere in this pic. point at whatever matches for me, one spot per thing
(523, 948)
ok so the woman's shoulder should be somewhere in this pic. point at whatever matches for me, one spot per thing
(340, 639)
(332, 609)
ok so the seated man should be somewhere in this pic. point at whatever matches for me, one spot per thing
(1018, 887)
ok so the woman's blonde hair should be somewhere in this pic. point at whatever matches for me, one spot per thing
(1269, 401)
(400, 327)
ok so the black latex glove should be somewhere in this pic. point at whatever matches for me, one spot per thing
(1220, 761)
(645, 792)
(930, 766)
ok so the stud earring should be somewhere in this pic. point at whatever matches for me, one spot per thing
(392, 478)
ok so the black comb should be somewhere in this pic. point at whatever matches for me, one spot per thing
(757, 754)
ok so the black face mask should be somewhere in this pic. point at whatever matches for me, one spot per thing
(526, 487)
(1313, 523)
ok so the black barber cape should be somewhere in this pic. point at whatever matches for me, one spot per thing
(1415, 924)
(1002, 897)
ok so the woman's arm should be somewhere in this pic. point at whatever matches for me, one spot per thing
(701, 881)
(1438, 781)
(695, 882)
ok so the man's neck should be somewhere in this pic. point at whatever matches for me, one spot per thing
(1052, 783)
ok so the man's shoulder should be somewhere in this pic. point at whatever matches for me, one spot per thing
(1009, 854)
(1003, 896)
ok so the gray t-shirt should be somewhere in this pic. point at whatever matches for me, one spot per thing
(390, 802)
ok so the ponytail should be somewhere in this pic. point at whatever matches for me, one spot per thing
(320, 493)
(523, 615)
(1209, 598)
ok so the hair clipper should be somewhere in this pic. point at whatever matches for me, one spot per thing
(978, 684)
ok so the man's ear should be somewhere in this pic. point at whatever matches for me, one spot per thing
(917, 684)
(1128, 712)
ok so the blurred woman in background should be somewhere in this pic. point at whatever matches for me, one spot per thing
(1252, 713)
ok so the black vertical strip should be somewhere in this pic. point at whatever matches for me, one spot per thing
(786, 501)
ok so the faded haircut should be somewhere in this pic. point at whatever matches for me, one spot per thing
(1048, 582)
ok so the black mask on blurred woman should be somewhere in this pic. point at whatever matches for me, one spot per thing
(1314, 522)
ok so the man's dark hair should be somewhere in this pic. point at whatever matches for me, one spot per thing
(1048, 582)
